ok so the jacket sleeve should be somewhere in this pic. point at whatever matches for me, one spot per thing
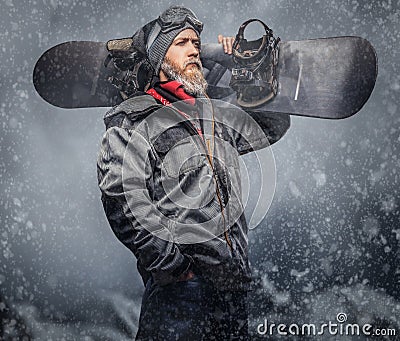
(125, 174)
(254, 130)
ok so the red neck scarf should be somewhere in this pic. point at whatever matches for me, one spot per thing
(176, 88)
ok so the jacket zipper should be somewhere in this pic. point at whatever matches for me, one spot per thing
(226, 234)
(209, 155)
(207, 148)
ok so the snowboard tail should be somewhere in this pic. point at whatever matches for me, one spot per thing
(74, 75)
(325, 78)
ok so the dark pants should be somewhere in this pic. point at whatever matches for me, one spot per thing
(190, 311)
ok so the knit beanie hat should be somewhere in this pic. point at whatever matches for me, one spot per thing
(168, 25)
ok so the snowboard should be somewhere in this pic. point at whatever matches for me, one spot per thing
(325, 78)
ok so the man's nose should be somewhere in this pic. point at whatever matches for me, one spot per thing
(193, 50)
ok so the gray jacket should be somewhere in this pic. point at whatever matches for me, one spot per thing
(173, 198)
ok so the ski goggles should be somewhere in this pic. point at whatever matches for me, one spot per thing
(169, 25)
(164, 25)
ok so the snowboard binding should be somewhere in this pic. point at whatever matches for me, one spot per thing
(134, 72)
(254, 77)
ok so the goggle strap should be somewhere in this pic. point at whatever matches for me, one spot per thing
(154, 33)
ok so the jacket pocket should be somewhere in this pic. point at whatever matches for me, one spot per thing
(183, 157)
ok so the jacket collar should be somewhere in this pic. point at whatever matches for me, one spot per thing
(175, 89)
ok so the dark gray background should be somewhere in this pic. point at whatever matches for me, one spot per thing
(329, 243)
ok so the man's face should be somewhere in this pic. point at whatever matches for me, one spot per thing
(184, 53)
(182, 63)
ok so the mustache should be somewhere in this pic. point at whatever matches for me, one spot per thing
(195, 61)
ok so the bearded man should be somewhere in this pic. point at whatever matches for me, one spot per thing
(169, 175)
